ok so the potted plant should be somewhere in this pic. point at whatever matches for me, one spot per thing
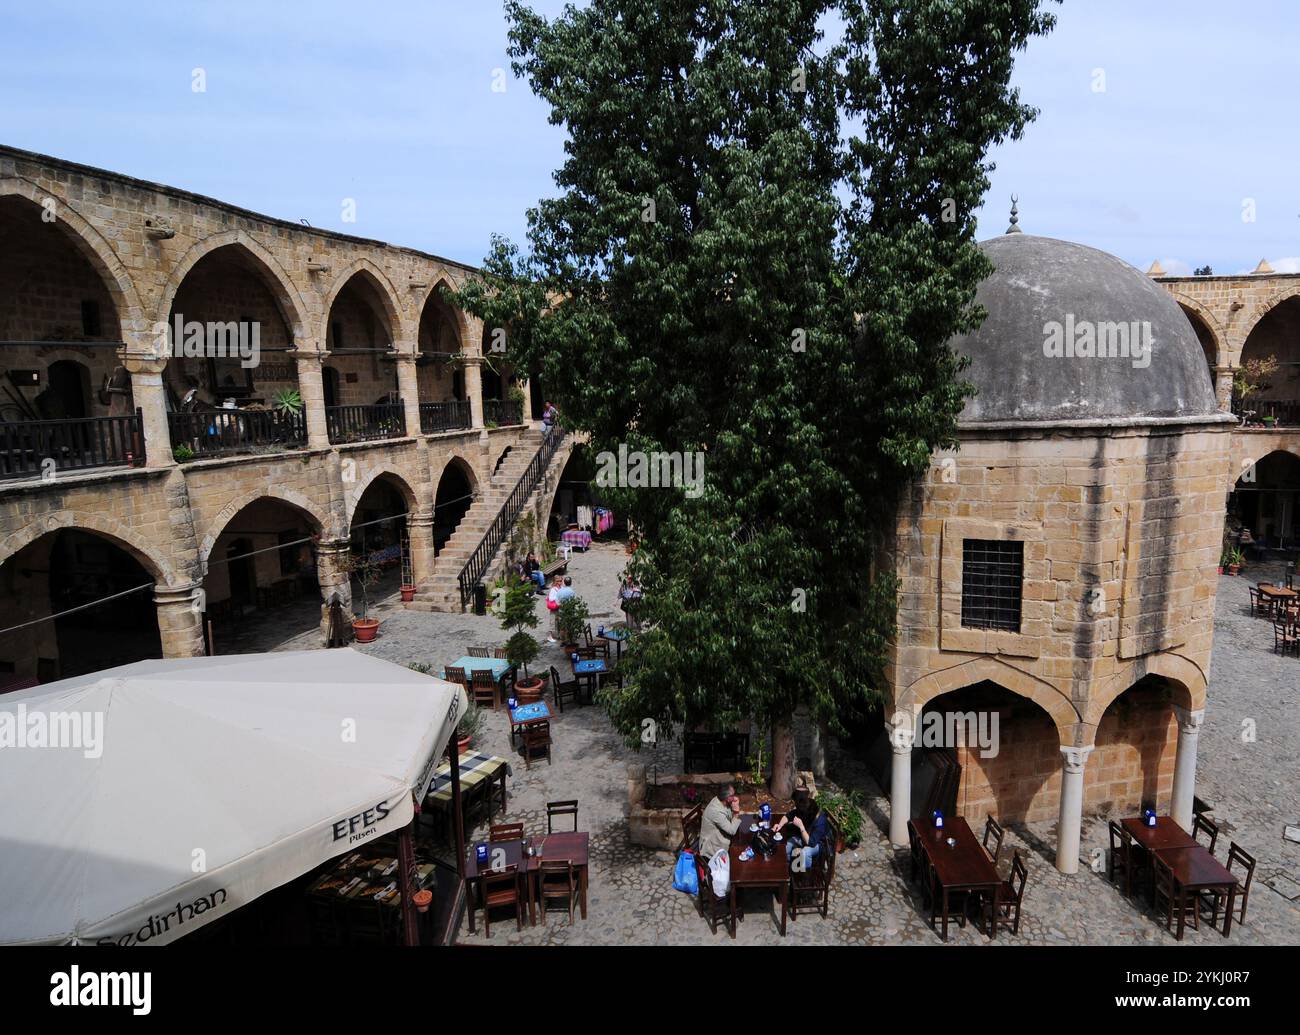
(1235, 560)
(469, 727)
(845, 810)
(1223, 561)
(571, 617)
(366, 573)
(407, 587)
(518, 613)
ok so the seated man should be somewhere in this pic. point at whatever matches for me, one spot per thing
(719, 823)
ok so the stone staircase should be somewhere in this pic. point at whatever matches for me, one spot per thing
(444, 593)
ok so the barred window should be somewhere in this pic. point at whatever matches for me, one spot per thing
(992, 574)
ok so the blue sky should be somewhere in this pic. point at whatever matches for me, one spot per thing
(391, 104)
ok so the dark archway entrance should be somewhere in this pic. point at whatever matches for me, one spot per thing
(453, 498)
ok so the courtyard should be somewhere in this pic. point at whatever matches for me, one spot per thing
(1246, 781)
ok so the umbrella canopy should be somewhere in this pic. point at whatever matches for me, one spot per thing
(144, 801)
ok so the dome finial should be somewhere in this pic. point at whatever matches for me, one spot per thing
(1014, 228)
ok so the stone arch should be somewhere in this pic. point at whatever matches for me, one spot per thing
(398, 481)
(390, 300)
(1264, 308)
(1196, 310)
(149, 558)
(1189, 681)
(282, 288)
(987, 669)
(462, 324)
(1246, 463)
(290, 496)
(471, 472)
(96, 249)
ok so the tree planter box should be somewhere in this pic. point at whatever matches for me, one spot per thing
(660, 825)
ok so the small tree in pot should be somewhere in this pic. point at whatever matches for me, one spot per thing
(366, 573)
(571, 617)
(518, 613)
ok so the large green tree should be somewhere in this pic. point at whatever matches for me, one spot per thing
(761, 246)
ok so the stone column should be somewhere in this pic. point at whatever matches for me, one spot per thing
(331, 573)
(1223, 387)
(902, 736)
(150, 398)
(528, 401)
(474, 390)
(180, 619)
(408, 386)
(1070, 821)
(311, 387)
(419, 530)
(1189, 732)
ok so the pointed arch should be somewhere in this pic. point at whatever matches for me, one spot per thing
(434, 296)
(230, 510)
(1195, 309)
(389, 299)
(1267, 306)
(131, 316)
(272, 273)
(1188, 679)
(398, 481)
(146, 554)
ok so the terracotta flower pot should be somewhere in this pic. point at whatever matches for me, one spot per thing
(1233, 569)
(1220, 569)
(422, 899)
(528, 690)
(408, 594)
(366, 629)
(462, 744)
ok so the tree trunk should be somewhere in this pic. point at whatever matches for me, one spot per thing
(783, 761)
(819, 738)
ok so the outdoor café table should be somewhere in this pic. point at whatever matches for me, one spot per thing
(564, 846)
(758, 871)
(1165, 834)
(529, 714)
(1196, 870)
(617, 634)
(512, 854)
(1278, 596)
(499, 668)
(589, 671)
(964, 866)
(476, 769)
(576, 537)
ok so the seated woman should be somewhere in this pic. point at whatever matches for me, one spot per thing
(807, 828)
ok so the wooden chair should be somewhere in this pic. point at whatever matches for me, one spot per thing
(692, 822)
(595, 643)
(537, 741)
(1238, 859)
(813, 885)
(561, 690)
(457, 675)
(1013, 893)
(712, 908)
(1285, 639)
(499, 653)
(556, 879)
(502, 889)
(483, 689)
(1202, 824)
(1123, 858)
(993, 832)
(561, 808)
(920, 863)
(1171, 900)
(505, 832)
(480, 652)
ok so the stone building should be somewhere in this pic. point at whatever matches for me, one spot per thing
(192, 483)
(1058, 569)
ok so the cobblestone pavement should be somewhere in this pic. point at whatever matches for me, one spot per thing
(1252, 787)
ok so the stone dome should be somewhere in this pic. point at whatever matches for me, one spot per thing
(1075, 334)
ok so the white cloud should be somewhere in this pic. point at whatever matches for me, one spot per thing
(1176, 267)
(1287, 265)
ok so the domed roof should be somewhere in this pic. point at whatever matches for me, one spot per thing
(1073, 333)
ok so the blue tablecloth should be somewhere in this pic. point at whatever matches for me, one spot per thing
(618, 632)
(586, 668)
(531, 712)
(497, 666)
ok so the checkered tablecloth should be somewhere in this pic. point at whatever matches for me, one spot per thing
(475, 767)
(576, 537)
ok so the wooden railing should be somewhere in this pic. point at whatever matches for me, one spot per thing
(497, 531)
(1286, 412)
(502, 412)
(213, 433)
(365, 423)
(444, 416)
(50, 447)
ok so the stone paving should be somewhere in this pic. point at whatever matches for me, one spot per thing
(1252, 786)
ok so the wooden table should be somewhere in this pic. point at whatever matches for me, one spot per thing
(616, 634)
(499, 667)
(476, 768)
(771, 871)
(1196, 870)
(588, 671)
(964, 866)
(1277, 593)
(1165, 834)
(572, 847)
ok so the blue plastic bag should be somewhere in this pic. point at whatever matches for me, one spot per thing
(684, 876)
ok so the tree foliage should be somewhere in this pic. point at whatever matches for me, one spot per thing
(760, 248)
